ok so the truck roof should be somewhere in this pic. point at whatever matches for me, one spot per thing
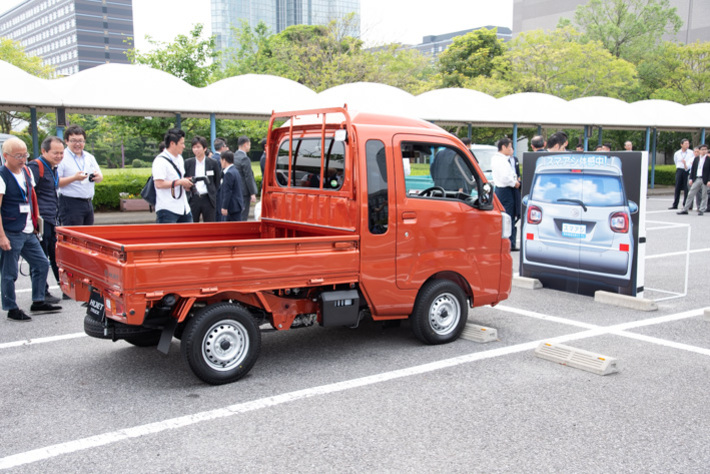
(312, 117)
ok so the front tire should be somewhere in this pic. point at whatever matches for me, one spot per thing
(221, 343)
(440, 312)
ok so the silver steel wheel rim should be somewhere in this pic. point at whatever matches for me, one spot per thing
(444, 314)
(225, 345)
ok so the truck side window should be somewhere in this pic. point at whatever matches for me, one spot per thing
(437, 166)
(306, 164)
(377, 189)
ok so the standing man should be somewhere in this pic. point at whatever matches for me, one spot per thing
(506, 182)
(220, 146)
(683, 160)
(230, 195)
(537, 143)
(205, 175)
(17, 232)
(44, 172)
(78, 172)
(171, 186)
(628, 146)
(699, 179)
(243, 165)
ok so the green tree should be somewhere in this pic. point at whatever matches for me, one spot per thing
(470, 56)
(629, 29)
(190, 58)
(680, 73)
(323, 56)
(14, 53)
(558, 63)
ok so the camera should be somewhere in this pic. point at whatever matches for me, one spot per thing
(195, 179)
(92, 176)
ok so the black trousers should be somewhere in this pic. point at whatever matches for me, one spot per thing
(202, 206)
(506, 196)
(681, 184)
(75, 211)
(245, 209)
(49, 246)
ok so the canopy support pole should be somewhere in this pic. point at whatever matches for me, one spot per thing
(702, 136)
(178, 121)
(648, 139)
(33, 127)
(213, 131)
(653, 157)
(470, 131)
(599, 141)
(586, 137)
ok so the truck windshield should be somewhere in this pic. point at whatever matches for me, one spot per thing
(591, 189)
(306, 164)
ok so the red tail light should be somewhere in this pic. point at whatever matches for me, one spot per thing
(619, 222)
(534, 215)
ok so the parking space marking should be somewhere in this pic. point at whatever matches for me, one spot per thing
(105, 439)
(676, 254)
(41, 340)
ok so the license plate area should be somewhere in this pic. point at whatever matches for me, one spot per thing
(96, 306)
(574, 231)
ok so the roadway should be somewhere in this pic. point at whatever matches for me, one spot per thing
(374, 399)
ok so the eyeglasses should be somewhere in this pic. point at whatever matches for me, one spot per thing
(21, 156)
(76, 141)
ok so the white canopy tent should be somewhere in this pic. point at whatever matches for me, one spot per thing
(120, 89)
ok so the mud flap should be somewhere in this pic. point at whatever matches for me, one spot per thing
(166, 337)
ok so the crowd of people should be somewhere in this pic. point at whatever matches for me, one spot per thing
(57, 188)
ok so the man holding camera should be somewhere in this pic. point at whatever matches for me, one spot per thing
(77, 172)
(205, 175)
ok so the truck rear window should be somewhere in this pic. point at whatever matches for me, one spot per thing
(305, 159)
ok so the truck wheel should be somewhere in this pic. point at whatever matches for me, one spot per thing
(221, 343)
(439, 313)
(148, 339)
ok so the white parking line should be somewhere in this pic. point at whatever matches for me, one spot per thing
(675, 254)
(104, 439)
(41, 340)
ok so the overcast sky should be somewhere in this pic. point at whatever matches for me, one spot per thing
(382, 21)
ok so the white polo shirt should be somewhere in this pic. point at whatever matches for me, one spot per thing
(163, 197)
(69, 166)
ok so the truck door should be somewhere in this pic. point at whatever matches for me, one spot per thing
(439, 228)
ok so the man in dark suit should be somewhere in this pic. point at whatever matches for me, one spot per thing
(699, 178)
(205, 175)
(243, 165)
(230, 199)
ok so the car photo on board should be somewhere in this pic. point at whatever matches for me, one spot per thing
(577, 223)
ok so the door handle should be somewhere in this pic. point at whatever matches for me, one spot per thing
(409, 215)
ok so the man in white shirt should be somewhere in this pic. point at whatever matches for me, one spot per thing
(171, 186)
(506, 181)
(683, 160)
(699, 181)
(78, 172)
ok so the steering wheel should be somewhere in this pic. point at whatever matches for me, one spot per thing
(433, 191)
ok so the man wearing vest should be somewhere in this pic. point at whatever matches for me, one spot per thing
(44, 172)
(18, 207)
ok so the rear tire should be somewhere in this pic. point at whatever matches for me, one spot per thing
(440, 312)
(221, 343)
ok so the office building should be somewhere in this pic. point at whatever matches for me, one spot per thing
(433, 45)
(278, 15)
(544, 14)
(71, 35)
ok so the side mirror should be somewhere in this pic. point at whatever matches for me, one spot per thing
(526, 199)
(341, 135)
(485, 198)
(633, 207)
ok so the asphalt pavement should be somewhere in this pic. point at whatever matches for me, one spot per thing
(374, 399)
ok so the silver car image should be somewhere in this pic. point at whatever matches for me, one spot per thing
(578, 223)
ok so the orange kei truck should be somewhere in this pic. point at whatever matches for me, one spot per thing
(363, 216)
